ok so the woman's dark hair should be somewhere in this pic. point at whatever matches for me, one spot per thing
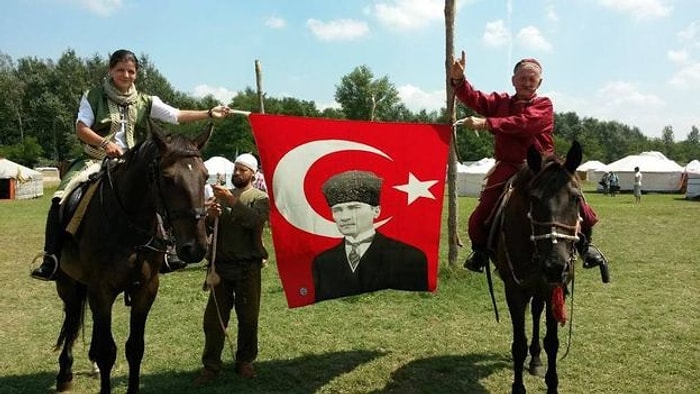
(123, 55)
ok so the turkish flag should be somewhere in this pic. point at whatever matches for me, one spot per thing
(300, 154)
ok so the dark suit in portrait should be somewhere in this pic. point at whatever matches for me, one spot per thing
(365, 260)
(387, 264)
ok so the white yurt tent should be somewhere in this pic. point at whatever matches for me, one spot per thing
(219, 166)
(660, 174)
(692, 176)
(18, 182)
(586, 171)
(470, 178)
(52, 177)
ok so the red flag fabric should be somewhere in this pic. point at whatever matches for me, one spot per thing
(299, 155)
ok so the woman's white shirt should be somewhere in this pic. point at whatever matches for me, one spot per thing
(159, 111)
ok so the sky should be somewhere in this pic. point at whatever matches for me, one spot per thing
(632, 61)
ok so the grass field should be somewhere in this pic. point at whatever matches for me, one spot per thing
(639, 334)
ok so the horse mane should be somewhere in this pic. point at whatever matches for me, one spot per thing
(178, 146)
(527, 179)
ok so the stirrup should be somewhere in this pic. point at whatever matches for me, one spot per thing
(55, 266)
(604, 260)
(171, 265)
(476, 261)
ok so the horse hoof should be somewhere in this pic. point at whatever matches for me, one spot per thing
(95, 370)
(64, 386)
(536, 370)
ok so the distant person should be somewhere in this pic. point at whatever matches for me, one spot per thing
(365, 260)
(259, 182)
(112, 118)
(516, 122)
(605, 183)
(242, 213)
(614, 182)
(637, 185)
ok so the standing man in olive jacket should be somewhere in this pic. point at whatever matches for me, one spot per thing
(242, 213)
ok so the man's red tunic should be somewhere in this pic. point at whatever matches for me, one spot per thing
(516, 124)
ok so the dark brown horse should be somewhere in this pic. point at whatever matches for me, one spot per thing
(535, 254)
(158, 188)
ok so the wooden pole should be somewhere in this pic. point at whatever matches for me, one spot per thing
(453, 236)
(258, 82)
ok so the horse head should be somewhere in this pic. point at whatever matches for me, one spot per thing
(554, 196)
(179, 175)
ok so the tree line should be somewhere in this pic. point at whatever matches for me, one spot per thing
(41, 97)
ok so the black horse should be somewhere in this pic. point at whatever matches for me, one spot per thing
(535, 254)
(157, 189)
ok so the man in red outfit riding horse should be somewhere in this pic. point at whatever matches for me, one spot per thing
(516, 122)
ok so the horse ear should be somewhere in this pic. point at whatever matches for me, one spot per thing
(155, 131)
(573, 157)
(203, 138)
(534, 159)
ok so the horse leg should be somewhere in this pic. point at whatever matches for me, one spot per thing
(92, 355)
(535, 367)
(103, 347)
(517, 301)
(142, 300)
(551, 347)
(73, 295)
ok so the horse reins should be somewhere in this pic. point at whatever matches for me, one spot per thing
(554, 235)
(212, 280)
(164, 215)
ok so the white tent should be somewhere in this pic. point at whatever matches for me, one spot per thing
(693, 166)
(18, 182)
(470, 178)
(659, 173)
(52, 177)
(586, 171)
(219, 166)
(692, 175)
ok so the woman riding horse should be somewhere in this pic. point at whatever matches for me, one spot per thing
(111, 119)
(118, 247)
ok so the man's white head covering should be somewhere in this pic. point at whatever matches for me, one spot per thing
(248, 160)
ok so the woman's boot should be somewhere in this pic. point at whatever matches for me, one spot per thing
(52, 245)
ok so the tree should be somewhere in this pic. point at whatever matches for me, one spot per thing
(693, 137)
(26, 152)
(667, 141)
(362, 97)
(11, 127)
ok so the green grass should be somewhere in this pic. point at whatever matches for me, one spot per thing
(639, 334)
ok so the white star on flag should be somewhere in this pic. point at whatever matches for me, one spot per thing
(415, 188)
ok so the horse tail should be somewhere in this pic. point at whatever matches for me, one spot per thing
(74, 316)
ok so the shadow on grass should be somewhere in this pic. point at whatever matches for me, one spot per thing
(45, 382)
(445, 374)
(306, 374)
(33, 383)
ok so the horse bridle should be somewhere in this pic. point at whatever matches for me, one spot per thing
(554, 234)
(166, 214)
